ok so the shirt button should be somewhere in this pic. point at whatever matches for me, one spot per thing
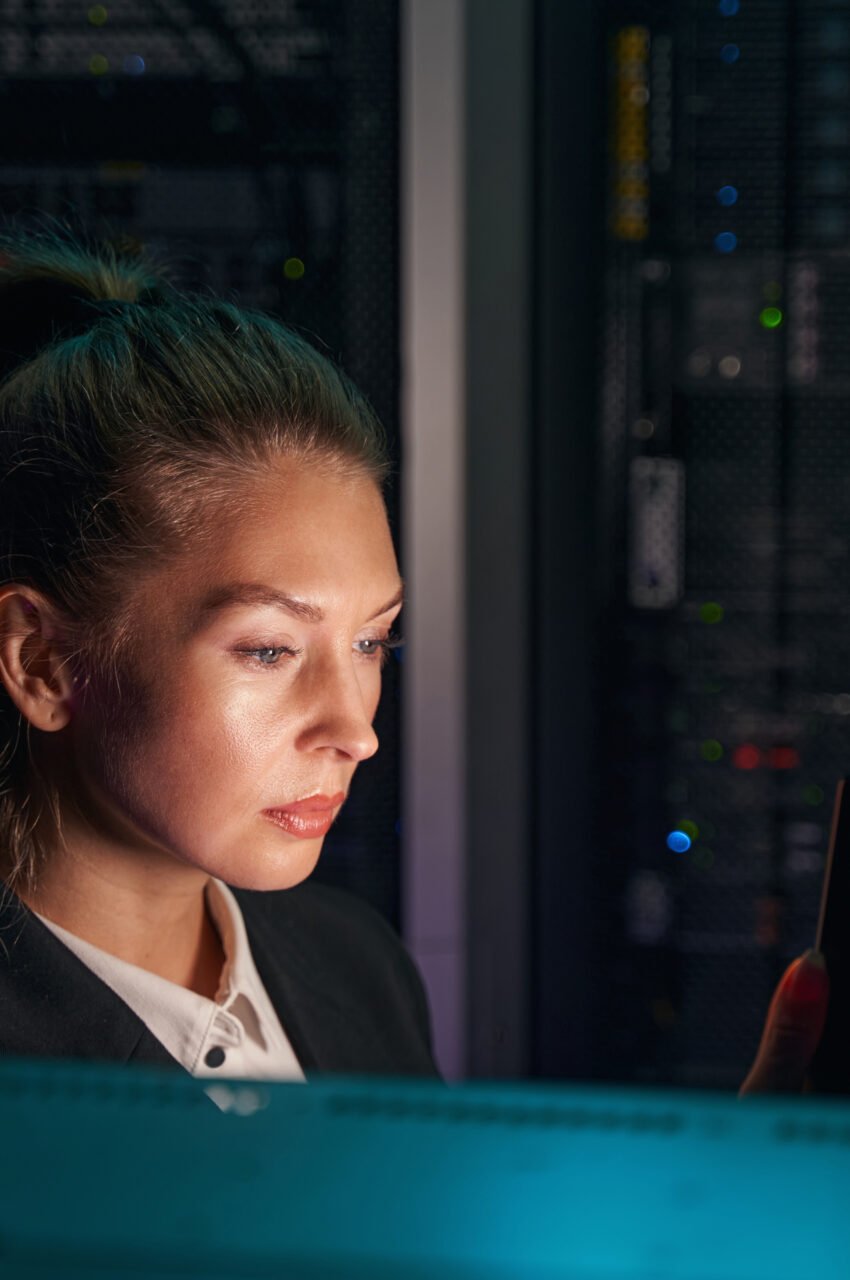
(215, 1056)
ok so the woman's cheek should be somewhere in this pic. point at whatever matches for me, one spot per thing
(238, 725)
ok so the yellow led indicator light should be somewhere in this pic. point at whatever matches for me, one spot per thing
(772, 291)
(99, 65)
(630, 188)
(770, 318)
(711, 750)
(98, 15)
(703, 858)
(293, 268)
(711, 612)
(690, 828)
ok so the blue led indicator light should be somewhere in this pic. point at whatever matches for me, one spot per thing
(134, 65)
(726, 242)
(678, 842)
(728, 196)
(730, 53)
(728, 8)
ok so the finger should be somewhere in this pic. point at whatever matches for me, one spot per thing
(793, 1028)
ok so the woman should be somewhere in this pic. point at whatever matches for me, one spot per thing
(198, 593)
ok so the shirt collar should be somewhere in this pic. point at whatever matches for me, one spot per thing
(238, 972)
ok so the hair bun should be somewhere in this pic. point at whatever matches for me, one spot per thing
(38, 311)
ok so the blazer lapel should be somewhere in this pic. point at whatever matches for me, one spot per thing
(324, 1035)
(52, 1005)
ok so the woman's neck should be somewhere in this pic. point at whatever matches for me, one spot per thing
(151, 912)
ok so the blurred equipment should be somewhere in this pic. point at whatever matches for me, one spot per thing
(723, 519)
(124, 1172)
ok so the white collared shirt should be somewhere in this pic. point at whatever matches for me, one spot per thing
(238, 1034)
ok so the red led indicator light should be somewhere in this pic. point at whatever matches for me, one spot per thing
(746, 756)
(784, 758)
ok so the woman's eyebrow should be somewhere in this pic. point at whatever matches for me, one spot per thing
(259, 594)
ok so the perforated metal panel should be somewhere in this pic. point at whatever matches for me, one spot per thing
(731, 704)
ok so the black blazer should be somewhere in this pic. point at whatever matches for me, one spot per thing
(348, 995)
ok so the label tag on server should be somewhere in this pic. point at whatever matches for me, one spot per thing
(657, 532)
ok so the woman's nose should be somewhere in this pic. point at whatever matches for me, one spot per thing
(341, 715)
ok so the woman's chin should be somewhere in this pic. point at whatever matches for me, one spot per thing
(267, 869)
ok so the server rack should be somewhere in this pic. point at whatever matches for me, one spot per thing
(722, 520)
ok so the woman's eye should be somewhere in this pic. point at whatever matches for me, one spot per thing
(381, 647)
(268, 655)
(375, 649)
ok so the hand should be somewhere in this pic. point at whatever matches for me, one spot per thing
(793, 1028)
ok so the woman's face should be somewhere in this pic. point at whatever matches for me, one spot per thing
(238, 705)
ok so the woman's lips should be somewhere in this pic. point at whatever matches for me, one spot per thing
(308, 818)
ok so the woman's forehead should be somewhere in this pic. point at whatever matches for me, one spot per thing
(304, 522)
(325, 544)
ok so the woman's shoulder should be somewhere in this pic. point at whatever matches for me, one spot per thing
(338, 945)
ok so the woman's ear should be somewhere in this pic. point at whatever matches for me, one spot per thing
(33, 668)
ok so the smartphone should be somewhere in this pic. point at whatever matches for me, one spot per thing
(830, 1068)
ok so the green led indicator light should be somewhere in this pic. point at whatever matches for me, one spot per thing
(293, 268)
(711, 612)
(813, 795)
(770, 318)
(690, 829)
(97, 15)
(99, 65)
(711, 750)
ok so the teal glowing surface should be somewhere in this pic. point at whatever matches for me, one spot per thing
(128, 1172)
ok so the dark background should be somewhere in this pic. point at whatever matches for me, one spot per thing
(689, 278)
